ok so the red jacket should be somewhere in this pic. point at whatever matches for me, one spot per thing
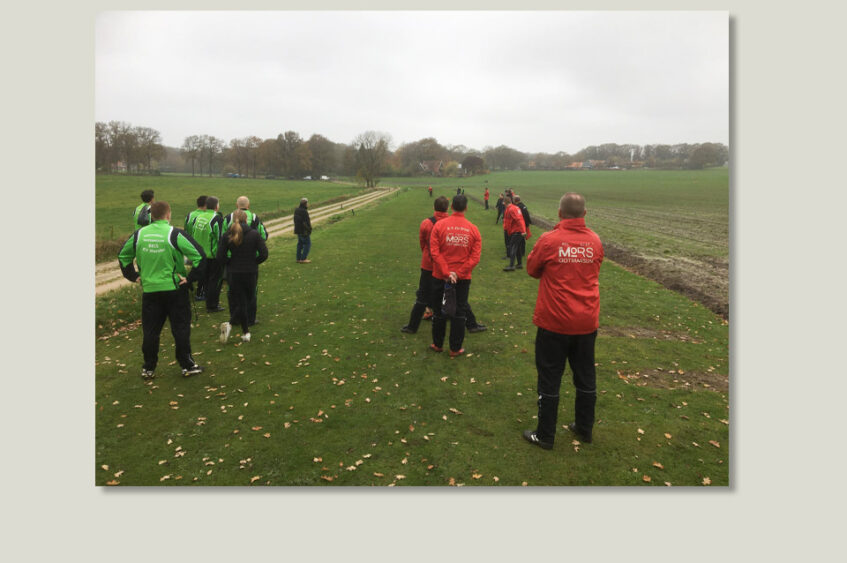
(486, 193)
(423, 236)
(455, 245)
(513, 220)
(567, 261)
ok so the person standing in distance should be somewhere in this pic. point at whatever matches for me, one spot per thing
(160, 250)
(242, 249)
(485, 196)
(515, 232)
(456, 246)
(567, 262)
(303, 230)
(500, 206)
(141, 215)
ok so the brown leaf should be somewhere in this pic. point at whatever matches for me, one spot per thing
(379, 475)
(707, 481)
(659, 465)
(476, 475)
(668, 436)
(255, 478)
(646, 478)
(455, 411)
(257, 428)
(452, 482)
(716, 444)
(640, 431)
(326, 478)
(411, 428)
(317, 459)
(113, 482)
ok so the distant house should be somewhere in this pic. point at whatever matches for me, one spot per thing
(432, 167)
(575, 165)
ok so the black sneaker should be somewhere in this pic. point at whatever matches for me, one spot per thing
(195, 369)
(477, 328)
(519, 266)
(509, 269)
(216, 309)
(583, 436)
(408, 330)
(147, 373)
(529, 436)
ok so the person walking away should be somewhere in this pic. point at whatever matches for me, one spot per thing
(456, 246)
(207, 228)
(424, 294)
(160, 251)
(430, 191)
(200, 294)
(242, 249)
(243, 203)
(485, 197)
(500, 208)
(141, 215)
(303, 230)
(567, 262)
(515, 230)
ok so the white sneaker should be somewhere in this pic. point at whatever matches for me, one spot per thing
(245, 337)
(225, 330)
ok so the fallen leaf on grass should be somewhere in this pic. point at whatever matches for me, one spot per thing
(646, 478)
(404, 461)
(113, 482)
(452, 482)
(326, 478)
(104, 467)
(399, 477)
(476, 475)
(411, 428)
(119, 473)
(257, 428)
(496, 479)
(707, 481)
(455, 411)
(317, 459)
(659, 465)
(255, 478)
(351, 468)
(716, 444)
(379, 474)
(640, 431)
(287, 425)
(267, 434)
(668, 436)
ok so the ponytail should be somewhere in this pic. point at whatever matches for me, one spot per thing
(236, 234)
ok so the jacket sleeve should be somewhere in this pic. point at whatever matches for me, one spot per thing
(194, 252)
(125, 257)
(223, 248)
(439, 264)
(423, 234)
(217, 232)
(535, 260)
(473, 259)
(308, 223)
(262, 249)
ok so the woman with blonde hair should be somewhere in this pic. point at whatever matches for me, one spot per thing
(242, 249)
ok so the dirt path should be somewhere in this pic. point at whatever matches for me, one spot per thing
(108, 275)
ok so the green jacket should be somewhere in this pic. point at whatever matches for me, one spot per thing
(141, 216)
(189, 219)
(159, 250)
(252, 220)
(206, 228)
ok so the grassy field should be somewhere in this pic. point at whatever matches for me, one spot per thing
(117, 196)
(329, 392)
(671, 226)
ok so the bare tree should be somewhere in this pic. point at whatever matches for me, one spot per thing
(191, 147)
(371, 150)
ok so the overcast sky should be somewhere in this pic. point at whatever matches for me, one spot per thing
(535, 81)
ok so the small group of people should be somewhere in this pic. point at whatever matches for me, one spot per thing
(216, 247)
(566, 260)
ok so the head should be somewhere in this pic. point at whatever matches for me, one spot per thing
(507, 200)
(147, 196)
(516, 198)
(160, 210)
(441, 203)
(201, 202)
(212, 203)
(460, 203)
(304, 202)
(242, 202)
(571, 206)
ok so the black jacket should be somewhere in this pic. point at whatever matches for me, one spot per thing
(246, 257)
(525, 213)
(302, 224)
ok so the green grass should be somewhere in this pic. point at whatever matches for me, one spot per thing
(117, 196)
(329, 377)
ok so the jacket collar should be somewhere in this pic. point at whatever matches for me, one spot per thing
(578, 222)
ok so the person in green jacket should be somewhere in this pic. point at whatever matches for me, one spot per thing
(159, 251)
(141, 216)
(189, 219)
(207, 228)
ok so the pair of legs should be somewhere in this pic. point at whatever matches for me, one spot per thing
(174, 306)
(515, 249)
(304, 244)
(213, 284)
(457, 322)
(552, 350)
(251, 306)
(242, 289)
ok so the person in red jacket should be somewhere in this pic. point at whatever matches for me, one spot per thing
(455, 245)
(515, 230)
(424, 294)
(567, 262)
(485, 197)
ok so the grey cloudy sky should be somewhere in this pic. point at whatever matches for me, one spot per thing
(535, 81)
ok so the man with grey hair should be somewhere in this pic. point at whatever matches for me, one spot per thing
(243, 203)
(567, 261)
(303, 230)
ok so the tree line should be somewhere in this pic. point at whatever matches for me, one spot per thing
(121, 147)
